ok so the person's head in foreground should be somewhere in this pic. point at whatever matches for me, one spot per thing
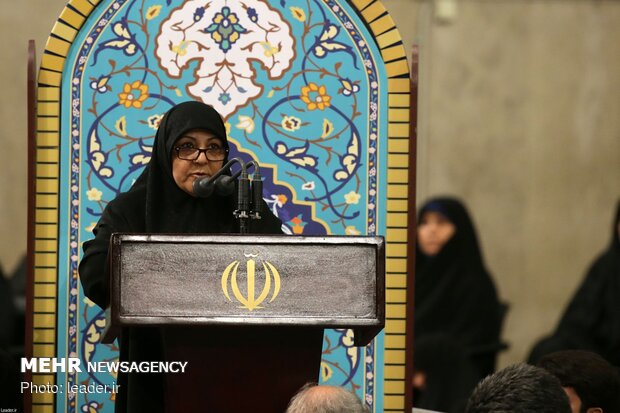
(314, 398)
(591, 383)
(520, 388)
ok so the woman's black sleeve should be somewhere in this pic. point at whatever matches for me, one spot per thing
(93, 267)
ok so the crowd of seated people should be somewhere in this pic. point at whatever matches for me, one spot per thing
(458, 321)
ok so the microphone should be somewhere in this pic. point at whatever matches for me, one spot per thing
(248, 207)
(204, 187)
(257, 191)
(225, 185)
(243, 201)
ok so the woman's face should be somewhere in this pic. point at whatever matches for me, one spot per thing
(185, 172)
(434, 230)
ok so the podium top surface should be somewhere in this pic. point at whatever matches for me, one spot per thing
(274, 280)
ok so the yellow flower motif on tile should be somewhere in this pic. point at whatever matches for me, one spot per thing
(351, 230)
(328, 128)
(225, 29)
(298, 14)
(315, 96)
(100, 85)
(91, 227)
(92, 407)
(297, 224)
(347, 340)
(281, 199)
(140, 159)
(270, 50)
(94, 194)
(153, 12)
(133, 94)
(246, 124)
(153, 121)
(234, 37)
(181, 48)
(326, 371)
(352, 197)
(291, 123)
(121, 126)
(308, 186)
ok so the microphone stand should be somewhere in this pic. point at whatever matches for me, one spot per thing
(242, 213)
(248, 207)
(257, 190)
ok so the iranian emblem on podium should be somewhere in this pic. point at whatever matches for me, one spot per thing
(253, 299)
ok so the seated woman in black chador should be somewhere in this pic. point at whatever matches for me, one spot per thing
(457, 315)
(190, 143)
(592, 319)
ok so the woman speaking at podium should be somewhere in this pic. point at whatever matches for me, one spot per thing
(190, 143)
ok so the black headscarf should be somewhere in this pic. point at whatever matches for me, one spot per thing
(167, 207)
(454, 292)
(592, 319)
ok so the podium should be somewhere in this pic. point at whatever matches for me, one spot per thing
(246, 313)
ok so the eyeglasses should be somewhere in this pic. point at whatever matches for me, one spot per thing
(213, 153)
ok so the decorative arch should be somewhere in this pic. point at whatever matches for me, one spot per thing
(318, 92)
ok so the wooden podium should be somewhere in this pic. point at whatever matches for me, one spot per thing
(246, 312)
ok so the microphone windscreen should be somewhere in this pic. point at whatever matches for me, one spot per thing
(203, 187)
(224, 185)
